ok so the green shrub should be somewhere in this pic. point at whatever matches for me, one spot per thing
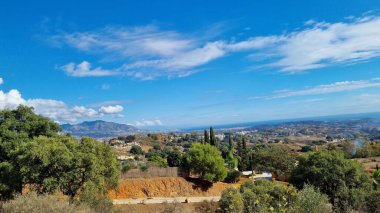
(136, 150)
(266, 196)
(310, 200)
(231, 201)
(143, 167)
(373, 202)
(158, 161)
(233, 176)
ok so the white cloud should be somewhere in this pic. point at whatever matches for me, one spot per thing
(11, 99)
(325, 89)
(111, 109)
(84, 70)
(143, 122)
(148, 52)
(1, 81)
(54, 109)
(326, 44)
(105, 86)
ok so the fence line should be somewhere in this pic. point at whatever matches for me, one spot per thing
(153, 172)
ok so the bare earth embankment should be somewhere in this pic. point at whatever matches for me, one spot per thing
(369, 163)
(166, 187)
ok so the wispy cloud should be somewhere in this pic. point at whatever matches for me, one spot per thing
(143, 122)
(326, 44)
(111, 102)
(1, 81)
(148, 52)
(84, 70)
(105, 86)
(324, 89)
(55, 109)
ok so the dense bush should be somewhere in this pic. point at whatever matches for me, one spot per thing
(158, 161)
(373, 202)
(231, 201)
(277, 159)
(343, 180)
(174, 158)
(136, 150)
(266, 196)
(310, 200)
(233, 176)
(260, 196)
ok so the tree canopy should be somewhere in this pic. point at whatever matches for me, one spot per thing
(277, 159)
(206, 160)
(343, 180)
(36, 156)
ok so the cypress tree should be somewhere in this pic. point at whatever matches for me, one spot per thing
(230, 143)
(212, 137)
(239, 149)
(206, 137)
(244, 145)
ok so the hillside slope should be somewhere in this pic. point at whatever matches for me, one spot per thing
(165, 187)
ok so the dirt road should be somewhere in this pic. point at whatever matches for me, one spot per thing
(165, 200)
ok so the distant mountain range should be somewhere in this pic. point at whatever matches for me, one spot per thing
(99, 129)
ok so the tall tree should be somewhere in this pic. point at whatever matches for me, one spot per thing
(239, 148)
(18, 127)
(212, 137)
(34, 155)
(230, 143)
(243, 156)
(244, 144)
(206, 137)
(207, 161)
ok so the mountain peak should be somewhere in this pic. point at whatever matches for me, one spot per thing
(99, 129)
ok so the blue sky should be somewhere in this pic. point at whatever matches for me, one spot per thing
(178, 64)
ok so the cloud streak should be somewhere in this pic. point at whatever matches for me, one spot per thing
(143, 122)
(147, 52)
(325, 89)
(84, 70)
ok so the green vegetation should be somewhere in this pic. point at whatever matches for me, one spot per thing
(264, 196)
(261, 196)
(310, 200)
(206, 137)
(158, 161)
(232, 162)
(343, 180)
(231, 201)
(233, 176)
(206, 160)
(136, 150)
(277, 159)
(212, 137)
(174, 158)
(35, 156)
